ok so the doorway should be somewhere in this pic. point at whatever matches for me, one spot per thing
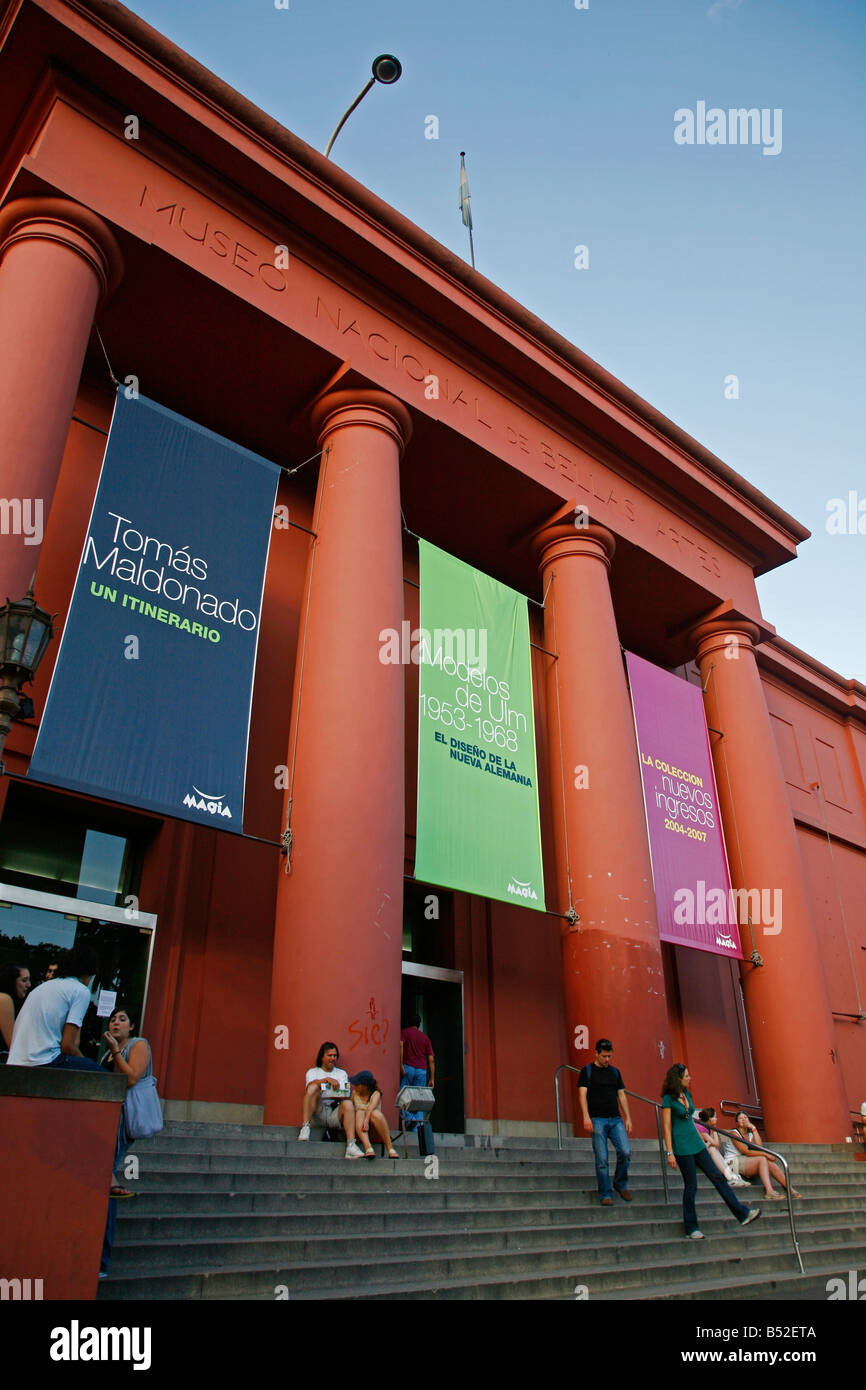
(436, 994)
(35, 927)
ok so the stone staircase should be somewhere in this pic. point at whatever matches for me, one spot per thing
(243, 1212)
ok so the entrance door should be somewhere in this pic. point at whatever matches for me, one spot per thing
(437, 995)
(35, 927)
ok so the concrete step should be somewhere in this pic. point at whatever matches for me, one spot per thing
(238, 1212)
(790, 1287)
(301, 1164)
(182, 1215)
(300, 1159)
(596, 1224)
(472, 1141)
(468, 1147)
(555, 1190)
(365, 1248)
(536, 1274)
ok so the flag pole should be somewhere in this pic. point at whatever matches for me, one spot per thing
(464, 204)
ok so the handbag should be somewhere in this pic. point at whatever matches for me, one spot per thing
(416, 1098)
(142, 1112)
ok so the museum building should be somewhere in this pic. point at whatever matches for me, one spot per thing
(158, 228)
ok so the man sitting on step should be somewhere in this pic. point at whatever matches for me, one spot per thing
(326, 1099)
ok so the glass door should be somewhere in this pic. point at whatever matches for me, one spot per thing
(35, 927)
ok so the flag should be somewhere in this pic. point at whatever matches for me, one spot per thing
(465, 209)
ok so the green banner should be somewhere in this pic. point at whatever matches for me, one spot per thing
(478, 828)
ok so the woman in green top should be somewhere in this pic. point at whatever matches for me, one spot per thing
(686, 1151)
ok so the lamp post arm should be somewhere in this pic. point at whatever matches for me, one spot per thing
(343, 119)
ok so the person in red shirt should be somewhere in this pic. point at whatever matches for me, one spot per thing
(416, 1054)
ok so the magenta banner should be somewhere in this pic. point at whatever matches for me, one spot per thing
(695, 903)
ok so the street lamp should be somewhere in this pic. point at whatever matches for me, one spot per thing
(387, 70)
(25, 631)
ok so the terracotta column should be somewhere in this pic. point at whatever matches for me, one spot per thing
(790, 1024)
(339, 917)
(612, 965)
(57, 261)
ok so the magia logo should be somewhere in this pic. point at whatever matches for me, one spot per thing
(202, 802)
(727, 942)
(522, 890)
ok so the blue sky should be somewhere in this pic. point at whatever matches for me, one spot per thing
(705, 261)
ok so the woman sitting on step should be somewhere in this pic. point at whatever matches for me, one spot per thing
(749, 1161)
(713, 1144)
(367, 1098)
(750, 1166)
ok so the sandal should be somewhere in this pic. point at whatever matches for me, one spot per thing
(392, 1153)
(368, 1153)
(117, 1191)
(774, 1196)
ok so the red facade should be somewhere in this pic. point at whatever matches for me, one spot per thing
(169, 244)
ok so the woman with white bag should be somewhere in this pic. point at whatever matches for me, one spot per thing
(129, 1056)
(140, 1114)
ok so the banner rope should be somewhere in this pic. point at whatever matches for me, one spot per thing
(756, 958)
(819, 789)
(284, 468)
(105, 354)
(286, 837)
(539, 603)
(571, 915)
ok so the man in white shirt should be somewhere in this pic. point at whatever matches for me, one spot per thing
(322, 1106)
(48, 1029)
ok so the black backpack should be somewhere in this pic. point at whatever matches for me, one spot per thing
(614, 1069)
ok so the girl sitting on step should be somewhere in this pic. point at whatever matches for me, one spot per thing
(367, 1098)
(750, 1160)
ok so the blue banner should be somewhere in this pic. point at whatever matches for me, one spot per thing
(150, 700)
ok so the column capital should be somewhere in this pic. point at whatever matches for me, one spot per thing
(375, 409)
(560, 536)
(70, 224)
(714, 634)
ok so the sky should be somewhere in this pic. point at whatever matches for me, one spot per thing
(725, 281)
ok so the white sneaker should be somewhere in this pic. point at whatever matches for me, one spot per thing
(304, 1135)
(695, 1235)
(352, 1150)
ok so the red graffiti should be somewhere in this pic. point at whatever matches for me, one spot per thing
(374, 1034)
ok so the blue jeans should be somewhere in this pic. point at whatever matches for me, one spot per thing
(66, 1063)
(687, 1164)
(123, 1143)
(614, 1130)
(414, 1076)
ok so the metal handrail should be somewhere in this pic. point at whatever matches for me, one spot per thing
(780, 1158)
(634, 1095)
(730, 1134)
(750, 1110)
